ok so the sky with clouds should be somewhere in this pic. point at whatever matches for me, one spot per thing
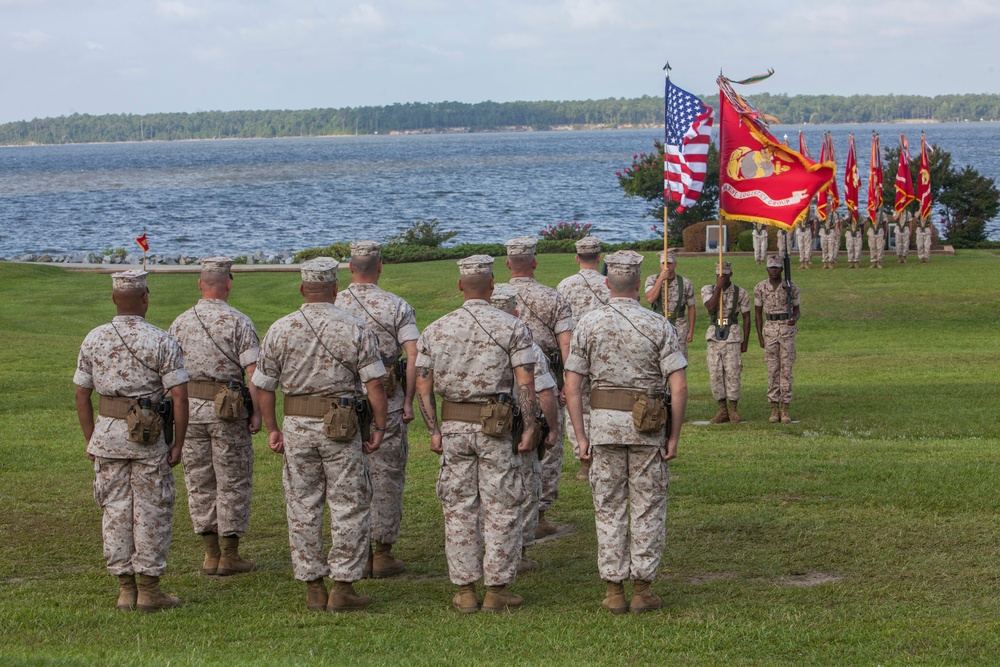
(142, 56)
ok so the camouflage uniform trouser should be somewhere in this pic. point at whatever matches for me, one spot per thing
(531, 473)
(629, 485)
(779, 354)
(923, 243)
(876, 245)
(725, 366)
(218, 473)
(317, 470)
(903, 242)
(784, 243)
(137, 496)
(854, 245)
(552, 467)
(760, 246)
(481, 492)
(681, 327)
(388, 472)
(830, 243)
(805, 238)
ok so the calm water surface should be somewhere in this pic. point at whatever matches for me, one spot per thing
(236, 197)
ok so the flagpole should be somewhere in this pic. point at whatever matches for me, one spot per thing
(666, 216)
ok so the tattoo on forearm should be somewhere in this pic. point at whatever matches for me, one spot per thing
(530, 368)
(424, 371)
(528, 406)
(428, 411)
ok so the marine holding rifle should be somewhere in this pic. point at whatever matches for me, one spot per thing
(633, 361)
(219, 343)
(134, 366)
(480, 360)
(320, 356)
(776, 310)
(726, 341)
(395, 325)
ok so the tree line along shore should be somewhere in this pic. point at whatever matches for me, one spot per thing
(418, 117)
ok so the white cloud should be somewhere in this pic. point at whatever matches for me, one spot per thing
(178, 11)
(93, 46)
(593, 13)
(365, 17)
(30, 40)
(211, 55)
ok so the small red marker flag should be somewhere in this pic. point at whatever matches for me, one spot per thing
(143, 242)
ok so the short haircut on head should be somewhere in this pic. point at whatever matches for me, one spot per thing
(318, 288)
(620, 283)
(215, 278)
(520, 262)
(589, 257)
(365, 264)
(478, 282)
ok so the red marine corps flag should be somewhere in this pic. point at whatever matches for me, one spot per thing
(760, 179)
(904, 183)
(828, 200)
(924, 180)
(852, 182)
(875, 179)
(143, 242)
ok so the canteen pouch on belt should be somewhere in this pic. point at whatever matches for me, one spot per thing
(229, 404)
(497, 416)
(143, 423)
(649, 414)
(340, 422)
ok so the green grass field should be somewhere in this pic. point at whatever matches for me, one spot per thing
(868, 533)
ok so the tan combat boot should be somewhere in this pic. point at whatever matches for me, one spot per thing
(384, 564)
(150, 597)
(544, 527)
(734, 416)
(316, 597)
(498, 598)
(527, 564)
(344, 598)
(775, 412)
(212, 553)
(722, 416)
(465, 600)
(614, 598)
(584, 473)
(127, 592)
(785, 418)
(643, 599)
(230, 562)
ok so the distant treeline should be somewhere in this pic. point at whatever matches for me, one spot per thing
(480, 117)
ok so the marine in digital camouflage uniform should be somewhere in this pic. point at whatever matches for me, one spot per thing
(924, 238)
(218, 343)
(804, 236)
(759, 242)
(550, 320)
(395, 325)
(829, 239)
(505, 298)
(854, 239)
(776, 334)
(125, 361)
(901, 229)
(627, 352)
(784, 241)
(726, 341)
(320, 356)
(876, 238)
(681, 306)
(584, 291)
(475, 357)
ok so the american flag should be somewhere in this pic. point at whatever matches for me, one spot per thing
(688, 124)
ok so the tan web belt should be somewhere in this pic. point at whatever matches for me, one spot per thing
(206, 391)
(461, 412)
(308, 405)
(117, 407)
(615, 399)
(771, 317)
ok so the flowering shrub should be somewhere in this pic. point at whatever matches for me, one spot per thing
(566, 231)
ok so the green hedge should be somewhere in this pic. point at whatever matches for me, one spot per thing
(744, 241)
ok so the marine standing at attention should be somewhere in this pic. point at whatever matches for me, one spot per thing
(320, 356)
(829, 239)
(481, 362)
(218, 343)
(759, 242)
(681, 310)
(924, 236)
(876, 238)
(584, 291)
(726, 341)
(505, 298)
(633, 361)
(854, 240)
(550, 322)
(133, 365)
(804, 236)
(776, 331)
(904, 223)
(395, 325)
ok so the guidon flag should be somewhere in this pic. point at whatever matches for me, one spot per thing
(760, 179)
(688, 123)
(904, 182)
(828, 200)
(143, 242)
(924, 180)
(875, 195)
(852, 182)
